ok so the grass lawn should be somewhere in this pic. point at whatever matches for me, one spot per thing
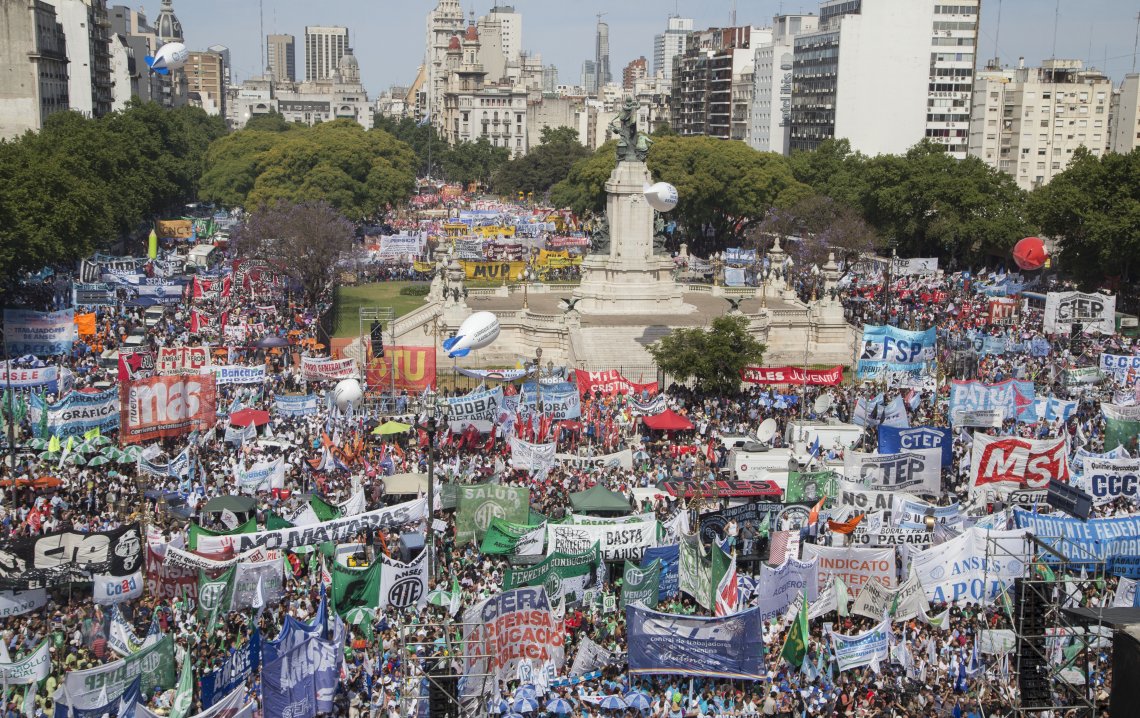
(383, 294)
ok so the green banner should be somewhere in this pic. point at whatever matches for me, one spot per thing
(153, 665)
(569, 574)
(214, 595)
(811, 486)
(694, 571)
(324, 510)
(355, 587)
(248, 527)
(480, 503)
(1120, 432)
(502, 537)
(640, 584)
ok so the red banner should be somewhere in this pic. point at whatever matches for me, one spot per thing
(1019, 463)
(1003, 310)
(182, 360)
(609, 382)
(170, 582)
(792, 375)
(414, 369)
(135, 364)
(166, 406)
(731, 488)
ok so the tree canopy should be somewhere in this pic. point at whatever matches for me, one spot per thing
(1093, 210)
(356, 171)
(80, 184)
(713, 356)
(469, 162)
(544, 166)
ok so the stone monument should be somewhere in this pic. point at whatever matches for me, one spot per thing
(628, 278)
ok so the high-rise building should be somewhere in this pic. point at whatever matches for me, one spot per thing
(912, 62)
(33, 66)
(1027, 122)
(443, 23)
(206, 81)
(633, 72)
(510, 24)
(550, 79)
(1125, 124)
(281, 57)
(324, 46)
(669, 45)
(589, 77)
(703, 85)
(167, 28)
(139, 40)
(601, 59)
(772, 100)
(224, 52)
(85, 27)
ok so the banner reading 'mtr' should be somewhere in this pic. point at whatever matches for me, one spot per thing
(887, 348)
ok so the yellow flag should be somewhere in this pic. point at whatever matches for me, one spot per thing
(89, 435)
(53, 445)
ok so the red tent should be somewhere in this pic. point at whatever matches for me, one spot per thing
(668, 420)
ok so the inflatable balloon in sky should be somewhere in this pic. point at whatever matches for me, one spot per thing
(170, 56)
(476, 332)
(1030, 254)
(347, 391)
(661, 196)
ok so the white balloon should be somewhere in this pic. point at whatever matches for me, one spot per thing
(661, 196)
(170, 56)
(476, 332)
(346, 392)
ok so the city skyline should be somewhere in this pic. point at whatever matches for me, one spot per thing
(565, 34)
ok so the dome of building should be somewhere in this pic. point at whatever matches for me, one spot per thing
(167, 27)
(472, 33)
(453, 43)
(348, 69)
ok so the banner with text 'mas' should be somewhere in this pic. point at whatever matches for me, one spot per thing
(163, 406)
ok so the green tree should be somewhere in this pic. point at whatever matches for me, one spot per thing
(932, 204)
(542, 167)
(713, 356)
(477, 161)
(584, 188)
(834, 171)
(429, 147)
(269, 122)
(822, 226)
(356, 171)
(1093, 210)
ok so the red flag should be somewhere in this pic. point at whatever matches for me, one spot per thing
(710, 452)
(423, 438)
(491, 439)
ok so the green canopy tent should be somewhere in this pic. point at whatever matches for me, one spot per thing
(242, 507)
(599, 500)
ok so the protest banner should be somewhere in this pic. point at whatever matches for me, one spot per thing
(1010, 463)
(511, 627)
(404, 585)
(625, 541)
(506, 538)
(617, 460)
(1109, 479)
(233, 671)
(153, 665)
(17, 603)
(527, 456)
(855, 566)
(890, 349)
(163, 406)
(295, 405)
(38, 333)
(865, 649)
(238, 374)
(901, 604)
(57, 557)
(478, 409)
(28, 377)
(640, 585)
(779, 586)
(558, 402)
(918, 472)
(1097, 539)
(320, 369)
(973, 566)
(501, 271)
(568, 575)
(479, 504)
(730, 647)
(1013, 397)
(182, 360)
(32, 668)
(406, 368)
(912, 266)
(76, 413)
(893, 440)
(610, 382)
(1121, 425)
(1095, 312)
(792, 375)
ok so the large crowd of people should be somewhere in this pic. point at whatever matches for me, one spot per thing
(328, 455)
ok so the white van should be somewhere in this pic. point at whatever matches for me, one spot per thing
(759, 462)
(803, 434)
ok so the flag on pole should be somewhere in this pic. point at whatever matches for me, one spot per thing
(184, 697)
(795, 643)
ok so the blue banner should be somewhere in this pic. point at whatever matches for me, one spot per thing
(670, 556)
(39, 333)
(738, 255)
(887, 348)
(1126, 566)
(1098, 539)
(77, 413)
(1014, 397)
(302, 681)
(663, 643)
(893, 440)
(559, 401)
(1051, 408)
(1040, 347)
(233, 672)
(305, 405)
(122, 706)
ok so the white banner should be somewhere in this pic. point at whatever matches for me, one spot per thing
(116, 589)
(779, 586)
(404, 585)
(901, 604)
(1010, 463)
(1109, 479)
(262, 476)
(337, 530)
(480, 408)
(1097, 312)
(177, 558)
(916, 472)
(914, 265)
(396, 246)
(864, 649)
(973, 566)
(590, 657)
(618, 541)
(531, 457)
(17, 603)
(618, 460)
(353, 505)
(321, 369)
(856, 566)
(32, 668)
(237, 374)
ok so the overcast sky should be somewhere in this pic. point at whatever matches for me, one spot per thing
(388, 35)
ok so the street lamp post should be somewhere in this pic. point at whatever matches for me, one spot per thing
(434, 412)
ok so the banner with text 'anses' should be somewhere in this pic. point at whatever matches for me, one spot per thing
(161, 406)
(39, 333)
(792, 375)
(1010, 463)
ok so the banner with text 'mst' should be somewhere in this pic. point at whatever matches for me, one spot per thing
(161, 406)
(1010, 463)
(414, 369)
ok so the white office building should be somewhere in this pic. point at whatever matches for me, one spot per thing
(772, 73)
(670, 44)
(324, 46)
(1125, 117)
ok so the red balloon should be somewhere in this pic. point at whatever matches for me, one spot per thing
(1030, 254)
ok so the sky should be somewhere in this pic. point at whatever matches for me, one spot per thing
(388, 36)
